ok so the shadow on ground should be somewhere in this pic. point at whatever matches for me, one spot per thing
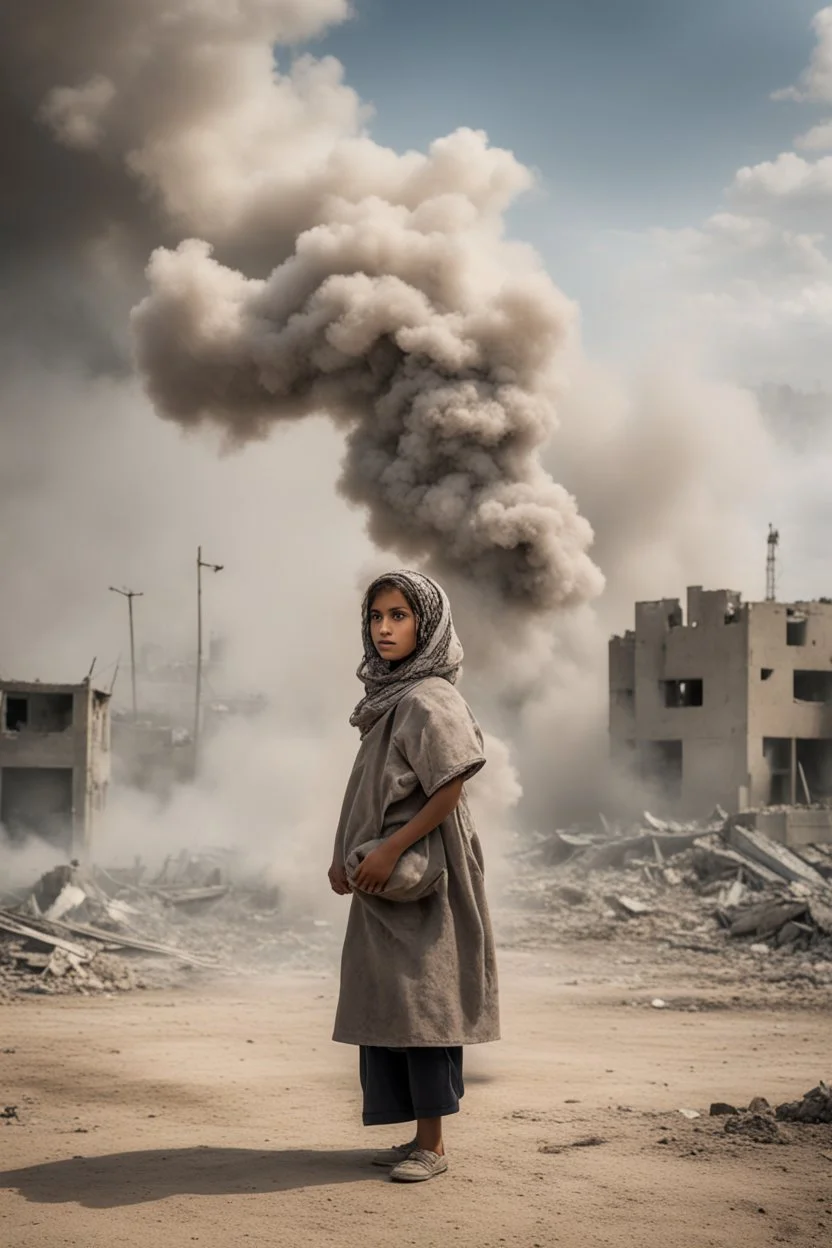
(132, 1178)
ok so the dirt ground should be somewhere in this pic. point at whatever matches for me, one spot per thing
(223, 1115)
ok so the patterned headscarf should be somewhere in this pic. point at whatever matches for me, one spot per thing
(438, 649)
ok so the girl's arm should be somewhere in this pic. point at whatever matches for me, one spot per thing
(377, 867)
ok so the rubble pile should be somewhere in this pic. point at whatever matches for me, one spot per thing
(816, 1106)
(697, 887)
(759, 1120)
(87, 930)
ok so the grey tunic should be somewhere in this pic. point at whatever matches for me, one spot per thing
(417, 973)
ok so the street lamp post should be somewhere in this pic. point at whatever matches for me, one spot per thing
(130, 594)
(212, 567)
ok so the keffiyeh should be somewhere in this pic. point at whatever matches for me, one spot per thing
(438, 649)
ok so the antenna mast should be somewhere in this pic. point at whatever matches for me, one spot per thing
(771, 564)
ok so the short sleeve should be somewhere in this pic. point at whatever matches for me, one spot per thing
(437, 735)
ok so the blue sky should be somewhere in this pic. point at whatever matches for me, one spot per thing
(636, 113)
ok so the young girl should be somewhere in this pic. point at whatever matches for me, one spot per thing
(418, 975)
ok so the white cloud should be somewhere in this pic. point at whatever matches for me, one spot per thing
(815, 83)
(752, 286)
(817, 139)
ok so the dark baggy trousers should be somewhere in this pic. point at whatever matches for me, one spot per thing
(401, 1085)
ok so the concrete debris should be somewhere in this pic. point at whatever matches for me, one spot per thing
(777, 858)
(89, 930)
(761, 1128)
(759, 1121)
(703, 887)
(628, 907)
(816, 1106)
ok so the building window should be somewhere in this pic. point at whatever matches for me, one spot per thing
(766, 673)
(682, 692)
(813, 782)
(796, 625)
(777, 752)
(813, 686)
(17, 713)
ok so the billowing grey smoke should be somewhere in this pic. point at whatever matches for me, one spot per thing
(395, 305)
(434, 359)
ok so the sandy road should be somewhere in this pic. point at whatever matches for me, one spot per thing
(224, 1116)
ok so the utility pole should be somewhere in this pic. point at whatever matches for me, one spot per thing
(130, 594)
(771, 564)
(212, 567)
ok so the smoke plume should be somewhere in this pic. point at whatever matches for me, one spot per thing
(435, 360)
(394, 305)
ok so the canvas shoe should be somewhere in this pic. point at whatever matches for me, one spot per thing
(392, 1156)
(420, 1165)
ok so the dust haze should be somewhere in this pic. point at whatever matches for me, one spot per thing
(354, 365)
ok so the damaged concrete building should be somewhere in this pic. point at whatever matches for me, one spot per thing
(728, 702)
(54, 761)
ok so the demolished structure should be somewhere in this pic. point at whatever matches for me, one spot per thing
(54, 762)
(732, 704)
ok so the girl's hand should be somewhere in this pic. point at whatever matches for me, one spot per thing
(338, 880)
(375, 870)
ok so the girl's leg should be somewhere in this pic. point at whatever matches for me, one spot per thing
(436, 1086)
(429, 1135)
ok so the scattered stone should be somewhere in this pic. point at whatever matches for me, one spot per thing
(720, 1109)
(760, 1128)
(759, 1105)
(815, 1107)
(658, 1004)
(628, 907)
(588, 1141)
(690, 1113)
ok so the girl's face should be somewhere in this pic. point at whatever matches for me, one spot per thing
(393, 626)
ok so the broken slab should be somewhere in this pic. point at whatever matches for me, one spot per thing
(767, 917)
(8, 923)
(116, 940)
(774, 857)
(712, 859)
